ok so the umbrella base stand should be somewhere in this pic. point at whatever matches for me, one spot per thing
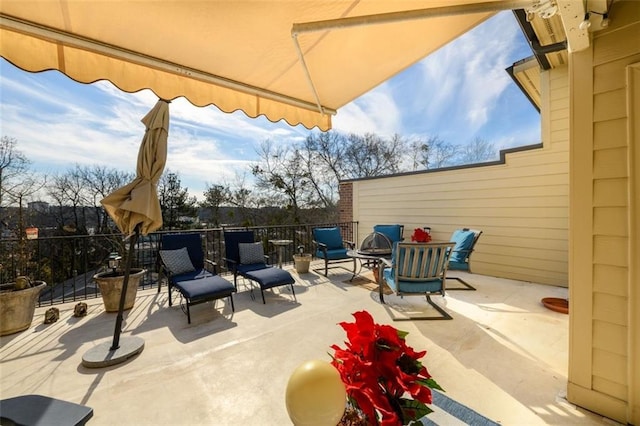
(102, 355)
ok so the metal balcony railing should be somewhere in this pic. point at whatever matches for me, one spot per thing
(68, 263)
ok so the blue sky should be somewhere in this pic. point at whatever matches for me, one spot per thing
(458, 93)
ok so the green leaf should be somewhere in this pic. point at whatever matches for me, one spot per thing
(412, 409)
(430, 383)
(402, 334)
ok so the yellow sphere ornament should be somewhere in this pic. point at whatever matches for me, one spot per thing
(315, 395)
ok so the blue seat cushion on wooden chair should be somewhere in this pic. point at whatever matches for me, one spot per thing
(331, 237)
(270, 277)
(464, 241)
(393, 232)
(458, 266)
(411, 286)
(208, 287)
(333, 254)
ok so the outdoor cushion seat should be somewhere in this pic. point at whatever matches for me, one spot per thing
(465, 240)
(245, 257)
(205, 289)
(182, 261)
(417, 268)
(393, 232)
(271, 277)
(331, 247)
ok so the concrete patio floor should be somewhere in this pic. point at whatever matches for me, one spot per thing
(503, 355)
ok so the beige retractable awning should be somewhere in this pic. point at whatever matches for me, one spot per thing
(232, 54)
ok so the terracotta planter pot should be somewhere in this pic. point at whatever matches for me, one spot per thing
(301, 262)
(17, 307)
(110, 285)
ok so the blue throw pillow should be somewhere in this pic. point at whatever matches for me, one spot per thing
(329, 236)
(464, 241)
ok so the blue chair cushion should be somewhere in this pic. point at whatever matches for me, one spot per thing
(243, 269)
(333, 254)
(213, 286)
(464, 241)
(410, 286)
(331, 237)
(393, 232)
(192, 275)
(458, 266)
(270, 277)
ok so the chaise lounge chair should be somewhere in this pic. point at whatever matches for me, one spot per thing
(182, 261)
(245, 257)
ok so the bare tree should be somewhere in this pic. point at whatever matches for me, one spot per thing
(19, 195)
(478, 151)
(101, 181)
(441, 153)
(70, 193)
(242, 197)
(281, 173)
(13, 164)
(371, 155)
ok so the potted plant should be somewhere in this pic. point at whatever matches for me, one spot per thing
(18, 303)
(302, 260)
(110, 284)
(386, 383)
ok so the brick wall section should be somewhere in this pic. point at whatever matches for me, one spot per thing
(345, 204)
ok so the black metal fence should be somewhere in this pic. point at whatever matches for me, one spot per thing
(67, 264)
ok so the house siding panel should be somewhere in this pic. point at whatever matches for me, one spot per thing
(521, 206)
(604, 375)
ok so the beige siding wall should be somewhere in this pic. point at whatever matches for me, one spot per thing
(604, 350)
(521, 206)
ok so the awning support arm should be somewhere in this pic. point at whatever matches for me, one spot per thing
(383, 18)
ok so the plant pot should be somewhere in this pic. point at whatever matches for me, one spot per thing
(301, 262)
(17, 307)
(110, 285)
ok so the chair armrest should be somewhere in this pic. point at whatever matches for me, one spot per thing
(211, 264)
(321, 246)
(350, 244)
(266, 259)
(230, 264)
(385, 263)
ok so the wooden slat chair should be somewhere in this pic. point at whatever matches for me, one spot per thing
(417, 268)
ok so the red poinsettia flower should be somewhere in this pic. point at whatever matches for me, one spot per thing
(420, 236)
(380, 371)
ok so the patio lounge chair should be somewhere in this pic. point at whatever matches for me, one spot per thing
(182, 262)
(465, 240)
(331, 248)
(417, 268)
(395, 233)
(245, 257)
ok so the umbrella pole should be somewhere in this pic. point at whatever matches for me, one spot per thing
(127, 270)
(116, 352)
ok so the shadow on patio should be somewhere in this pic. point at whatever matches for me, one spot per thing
(503, 354)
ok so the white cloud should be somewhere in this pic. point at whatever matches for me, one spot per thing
(468, 74)
(374, 112)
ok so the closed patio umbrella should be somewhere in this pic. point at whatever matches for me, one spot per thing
(135, 209)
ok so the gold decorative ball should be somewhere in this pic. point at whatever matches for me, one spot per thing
(315, 395)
